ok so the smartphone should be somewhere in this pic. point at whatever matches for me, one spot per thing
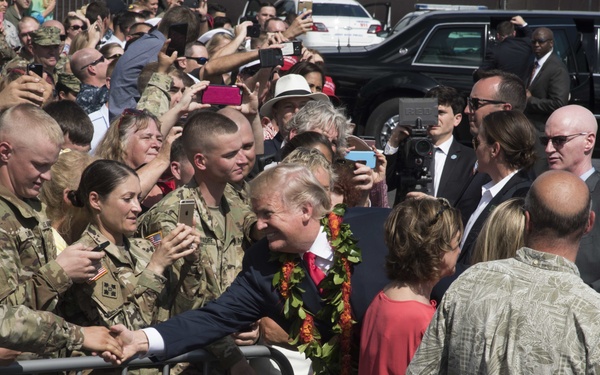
(178, 36)
(186, 212)
(253, 31)
(292, 49)
(304, 6)
(270, 57)
(36, 68)
(222, 95)
(363, 157)
(102, 246)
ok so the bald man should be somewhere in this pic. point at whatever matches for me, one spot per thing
(528, 314)
(90, 67)
(569, 141)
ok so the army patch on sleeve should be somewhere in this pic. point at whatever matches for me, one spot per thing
(109, 290)
(155, 238)
(101, 272)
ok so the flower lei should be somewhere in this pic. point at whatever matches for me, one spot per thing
(333, 356)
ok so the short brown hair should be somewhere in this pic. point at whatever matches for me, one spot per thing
(418, 233)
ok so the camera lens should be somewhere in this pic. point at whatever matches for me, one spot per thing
(422, 147)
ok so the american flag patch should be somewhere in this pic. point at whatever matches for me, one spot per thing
(155, 238)
(101, 272)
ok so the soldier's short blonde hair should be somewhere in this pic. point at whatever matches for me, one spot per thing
(25, 120)
(296, 185)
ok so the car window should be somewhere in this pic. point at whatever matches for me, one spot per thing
(339, 10)
(453, 45)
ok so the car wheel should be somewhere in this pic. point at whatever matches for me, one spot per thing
(382, 121)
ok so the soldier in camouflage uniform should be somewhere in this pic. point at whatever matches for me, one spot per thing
(131, 279)
(30, 272)
(46, 50)
(25, 55)
(67, 87)
(212, 143)
(42, 332)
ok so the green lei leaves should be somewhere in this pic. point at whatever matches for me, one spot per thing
(331, 357)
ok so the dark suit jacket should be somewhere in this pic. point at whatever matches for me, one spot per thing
(588, 257)
(252, 296)
(513, 55)
(549, 91)
(517, 186)
(457, 169)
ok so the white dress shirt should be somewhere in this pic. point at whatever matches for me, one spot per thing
(440, 153)
(323, 260)
(488, 192)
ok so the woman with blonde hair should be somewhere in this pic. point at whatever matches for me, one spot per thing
(502, 234)
(68, 222)
(135, 139)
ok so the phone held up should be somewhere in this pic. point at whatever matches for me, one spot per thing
(270, 57)
(222, 95)
(186, 212)
(178, 36)
(36, 68)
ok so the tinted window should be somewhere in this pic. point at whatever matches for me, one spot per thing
(462, 46)
(338, 10)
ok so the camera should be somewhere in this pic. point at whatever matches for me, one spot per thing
(417, 149)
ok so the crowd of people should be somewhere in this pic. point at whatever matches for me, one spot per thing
(138, 219)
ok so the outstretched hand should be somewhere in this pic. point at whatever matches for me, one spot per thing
(132, 343)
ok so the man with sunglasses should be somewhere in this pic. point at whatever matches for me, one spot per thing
(569, 140)
(547, 87)
(90, 67)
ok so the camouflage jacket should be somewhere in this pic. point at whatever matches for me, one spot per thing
(124, 293)
(36, 331)
(221, 253)
(92, 98)
(156, 98)
(16, 63)
(29, 273)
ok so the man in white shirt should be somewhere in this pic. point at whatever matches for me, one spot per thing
(453, 162)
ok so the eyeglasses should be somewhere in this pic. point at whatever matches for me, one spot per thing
(77, 27)
(476, 143)
(94, 63)
(116, 55)
(539, 41)
(445, 205)
(560, 140)
(476, 103)
(199, 60)
(129, 112)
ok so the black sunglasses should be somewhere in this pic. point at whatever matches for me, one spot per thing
(199, 60)
(539, 41)
(94, 63)
(559, 140)
(77, 27)
(476, 103)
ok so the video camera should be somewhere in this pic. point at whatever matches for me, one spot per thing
(417, 149)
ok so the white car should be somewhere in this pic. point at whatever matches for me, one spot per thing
(336, 22)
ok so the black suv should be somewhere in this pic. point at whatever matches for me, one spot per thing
(444, 48)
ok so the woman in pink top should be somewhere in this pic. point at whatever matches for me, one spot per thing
(422, 236)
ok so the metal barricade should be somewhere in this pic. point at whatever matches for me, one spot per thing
(40, 366)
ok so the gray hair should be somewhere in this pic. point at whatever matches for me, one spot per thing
(297, 186)
(323, 116)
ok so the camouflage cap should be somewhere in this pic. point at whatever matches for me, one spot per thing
(46, 36)
(70, 81)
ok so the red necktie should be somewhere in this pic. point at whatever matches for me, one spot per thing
(315, 272)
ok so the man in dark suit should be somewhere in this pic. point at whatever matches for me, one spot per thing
(547, 88)
(512, 53)
(290, 218)
(569, 140)
(453, 161)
